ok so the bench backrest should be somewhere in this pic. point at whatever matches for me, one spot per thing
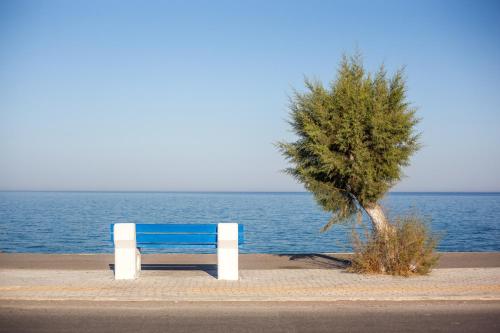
(178, 235)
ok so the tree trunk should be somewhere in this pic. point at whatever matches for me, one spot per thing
(379, 221)
(383, 229)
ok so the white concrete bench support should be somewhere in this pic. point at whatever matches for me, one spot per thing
(227, 251)
(128, 236)
(127, 257)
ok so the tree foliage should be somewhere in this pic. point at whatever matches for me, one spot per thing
(353, 137)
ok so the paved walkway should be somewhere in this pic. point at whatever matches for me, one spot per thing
(254, 285)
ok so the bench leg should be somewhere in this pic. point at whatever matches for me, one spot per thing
(227, 251)
(125, 251)
(138, 261)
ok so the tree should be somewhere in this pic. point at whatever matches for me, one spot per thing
(353, 140)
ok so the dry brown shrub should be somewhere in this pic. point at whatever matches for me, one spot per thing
(409, 249)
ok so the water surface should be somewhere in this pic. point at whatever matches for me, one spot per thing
(78, 222)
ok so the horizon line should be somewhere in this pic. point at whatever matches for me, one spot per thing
(222, 191)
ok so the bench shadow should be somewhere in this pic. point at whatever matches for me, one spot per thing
(319, 260)
(210, 269)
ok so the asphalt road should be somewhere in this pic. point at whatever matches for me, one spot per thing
(479, 316)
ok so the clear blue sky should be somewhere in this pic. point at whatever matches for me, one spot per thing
(185, 95)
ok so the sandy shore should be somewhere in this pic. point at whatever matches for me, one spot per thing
(204, 261)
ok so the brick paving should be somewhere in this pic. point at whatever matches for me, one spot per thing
(254, 285)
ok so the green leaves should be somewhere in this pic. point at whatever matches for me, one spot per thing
(353, 138)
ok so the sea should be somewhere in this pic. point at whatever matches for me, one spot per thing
(79, 222)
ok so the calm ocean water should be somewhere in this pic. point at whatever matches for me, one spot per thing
(78, 222)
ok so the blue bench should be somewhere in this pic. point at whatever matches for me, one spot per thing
(225, 237)
(180, 236)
